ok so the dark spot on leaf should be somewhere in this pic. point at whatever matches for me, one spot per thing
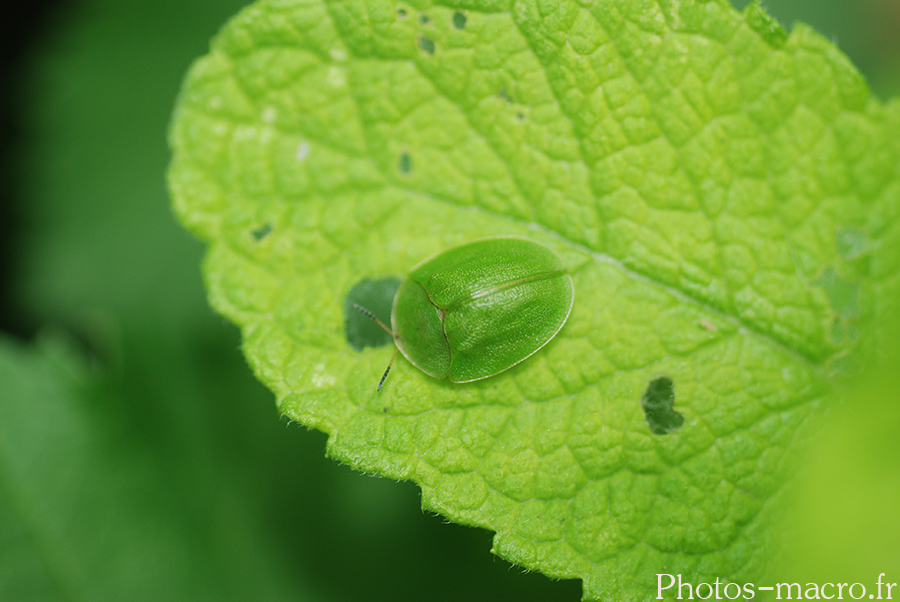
(260, 233)
(423, 19)
(837, 332)
(459, 20)
(842, 294)
(851, 243)
(504, 94)
(844, 366)
(426, 45)
(377, 296)
(405, 163)
(520, 116)
(658, 403)
(843, 332)
(401, 13)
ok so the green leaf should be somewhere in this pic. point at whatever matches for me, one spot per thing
(88, 511)
(258, 510)
(723, 194)
(848, 481)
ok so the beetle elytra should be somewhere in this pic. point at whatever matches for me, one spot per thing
(476, 310)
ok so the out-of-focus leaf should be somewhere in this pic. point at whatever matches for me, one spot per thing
(844, 526)
(85, 512)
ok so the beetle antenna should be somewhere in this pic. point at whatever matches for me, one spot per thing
(372, 317)
(391, 363)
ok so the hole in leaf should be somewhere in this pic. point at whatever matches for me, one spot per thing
(844, 366)
(401, 13)
(423, 19)
(851, 243)
(459, 20)
(426, 45)
(377, 296)
(842, 294)
(260, 233)
(404, 164)
(658, 404)
(837, 332)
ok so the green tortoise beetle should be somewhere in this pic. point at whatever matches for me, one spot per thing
(478, 309)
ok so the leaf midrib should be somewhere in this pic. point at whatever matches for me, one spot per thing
(803, 356)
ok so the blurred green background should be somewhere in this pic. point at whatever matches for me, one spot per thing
(139, 459)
